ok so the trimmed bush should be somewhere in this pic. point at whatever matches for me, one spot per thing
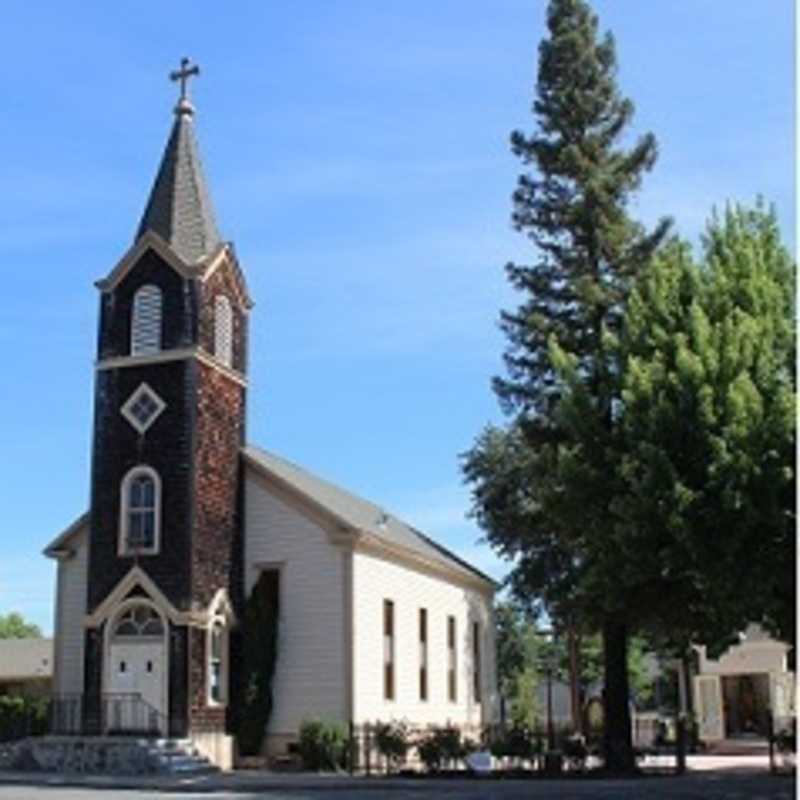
(391, 739)
(518, 742)
(441, 747)
(323, 744)
(575, 751)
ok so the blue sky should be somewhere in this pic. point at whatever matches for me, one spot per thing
(357, 156)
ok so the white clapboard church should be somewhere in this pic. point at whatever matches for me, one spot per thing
(376, 620)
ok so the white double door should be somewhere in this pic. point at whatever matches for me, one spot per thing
(136, 669)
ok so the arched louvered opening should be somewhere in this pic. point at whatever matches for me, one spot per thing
(223, 330)
(146, 321)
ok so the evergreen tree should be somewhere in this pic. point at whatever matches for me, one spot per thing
(708, 500)
(254, 699)
(573, 207)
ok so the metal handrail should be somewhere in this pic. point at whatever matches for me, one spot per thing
(118, 712)
(130, 713)
(66, 713)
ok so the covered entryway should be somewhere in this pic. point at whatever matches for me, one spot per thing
(746, 703)
(135, 697)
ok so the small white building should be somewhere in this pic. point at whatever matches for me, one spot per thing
(735, 694)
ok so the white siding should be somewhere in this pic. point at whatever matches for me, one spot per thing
(376, 580)
(310, 672)
(70, 611)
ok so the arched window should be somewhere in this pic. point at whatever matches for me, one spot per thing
(217, 662)
(223, 330)
(138, 620)
(140, 512)
(146, 321)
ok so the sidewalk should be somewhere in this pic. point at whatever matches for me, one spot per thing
(258, 781)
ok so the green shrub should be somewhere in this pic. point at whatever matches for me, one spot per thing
(786, 741)
(323, 744)
(575, 750)
(22, 716)
(391, 739)
(441, 746)
(518, 741)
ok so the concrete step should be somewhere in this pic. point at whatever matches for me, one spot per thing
(750, 746)
(178, 756)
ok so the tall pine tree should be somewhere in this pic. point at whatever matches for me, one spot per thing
(572, 205)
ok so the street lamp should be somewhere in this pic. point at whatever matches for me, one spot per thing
(549, 663)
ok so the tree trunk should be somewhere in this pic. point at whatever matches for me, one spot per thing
(617, 743)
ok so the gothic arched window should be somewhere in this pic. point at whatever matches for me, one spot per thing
(140, 512)
(146, 321)
(217, 662)
(138, 620)
(223, 330)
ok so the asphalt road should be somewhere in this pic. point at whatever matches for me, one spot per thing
(693, 787)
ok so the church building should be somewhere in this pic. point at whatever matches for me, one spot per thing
(376, 620)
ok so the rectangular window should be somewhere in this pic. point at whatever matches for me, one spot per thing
(476, 661)
(423, 654)
(388, 650)
(452, 693)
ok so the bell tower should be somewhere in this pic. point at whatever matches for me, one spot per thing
(169, 424)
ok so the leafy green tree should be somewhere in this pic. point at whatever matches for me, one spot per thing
(14, 626)
(523, 651)
(640, 673)
(573, 207)
(518, 648)
(708, 501)
(510, 645)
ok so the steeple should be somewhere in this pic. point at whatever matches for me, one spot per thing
(179, 208)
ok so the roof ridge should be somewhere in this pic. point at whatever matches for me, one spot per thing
(335, 488)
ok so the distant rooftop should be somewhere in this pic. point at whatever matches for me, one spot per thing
(25, 659)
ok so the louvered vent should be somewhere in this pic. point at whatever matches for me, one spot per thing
(146, 322)
(223, 330)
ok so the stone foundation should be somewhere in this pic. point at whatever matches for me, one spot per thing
(66, 755)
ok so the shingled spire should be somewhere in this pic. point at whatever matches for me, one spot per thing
(179, 208)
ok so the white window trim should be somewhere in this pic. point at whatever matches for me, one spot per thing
(122, 543)
(156, 318)
(221, 622)
(127, 408)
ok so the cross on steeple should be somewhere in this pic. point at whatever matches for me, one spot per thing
(183, 74)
